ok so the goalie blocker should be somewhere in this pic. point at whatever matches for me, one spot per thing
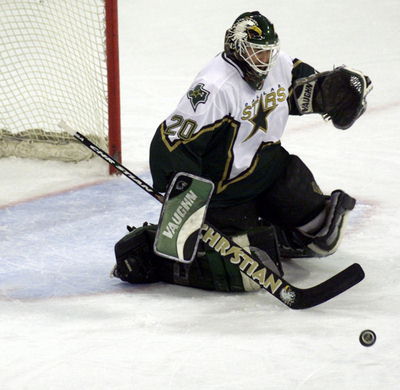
(182, 216)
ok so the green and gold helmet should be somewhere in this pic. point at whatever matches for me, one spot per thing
(252, 43)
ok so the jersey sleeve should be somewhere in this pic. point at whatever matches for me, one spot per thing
(300, 69)
(181, 140)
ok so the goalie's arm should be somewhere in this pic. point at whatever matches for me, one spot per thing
(300, 71)
(166, 162)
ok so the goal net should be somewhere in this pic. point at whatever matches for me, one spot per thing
(58, 61)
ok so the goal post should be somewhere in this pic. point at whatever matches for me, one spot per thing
(58, 61)
(114, 107)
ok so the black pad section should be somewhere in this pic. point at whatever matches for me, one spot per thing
(236, 219)
(265, 239)
(294, 199)
(135, 258)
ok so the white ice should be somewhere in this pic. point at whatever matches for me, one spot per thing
(65, 325)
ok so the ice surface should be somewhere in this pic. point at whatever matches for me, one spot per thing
(65, 325)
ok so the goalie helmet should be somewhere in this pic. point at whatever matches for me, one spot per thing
(253, 45)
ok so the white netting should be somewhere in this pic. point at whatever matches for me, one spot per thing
(52, 68)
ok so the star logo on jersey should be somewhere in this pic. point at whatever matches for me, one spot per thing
(259, 120)
(198, 95)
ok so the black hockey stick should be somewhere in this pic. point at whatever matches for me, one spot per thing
(291, 296)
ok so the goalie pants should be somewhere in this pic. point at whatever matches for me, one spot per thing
(292, 200)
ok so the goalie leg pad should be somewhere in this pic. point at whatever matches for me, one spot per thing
(262, 243)
(137, 263)
(325, 241)
(219, 273)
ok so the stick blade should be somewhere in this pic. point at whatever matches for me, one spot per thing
(337, 284)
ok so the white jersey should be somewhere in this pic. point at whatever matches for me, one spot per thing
(220, 107)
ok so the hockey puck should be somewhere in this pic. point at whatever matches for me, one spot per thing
(367, 338)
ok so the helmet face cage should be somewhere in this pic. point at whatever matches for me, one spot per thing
(259, 57)
(252, 39)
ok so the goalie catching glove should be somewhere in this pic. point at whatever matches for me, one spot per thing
(339, 95)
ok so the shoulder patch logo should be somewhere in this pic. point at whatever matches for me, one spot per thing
(198, 95)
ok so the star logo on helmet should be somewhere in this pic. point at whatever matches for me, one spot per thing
(198, 95)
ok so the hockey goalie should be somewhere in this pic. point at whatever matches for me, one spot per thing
(226, 129)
